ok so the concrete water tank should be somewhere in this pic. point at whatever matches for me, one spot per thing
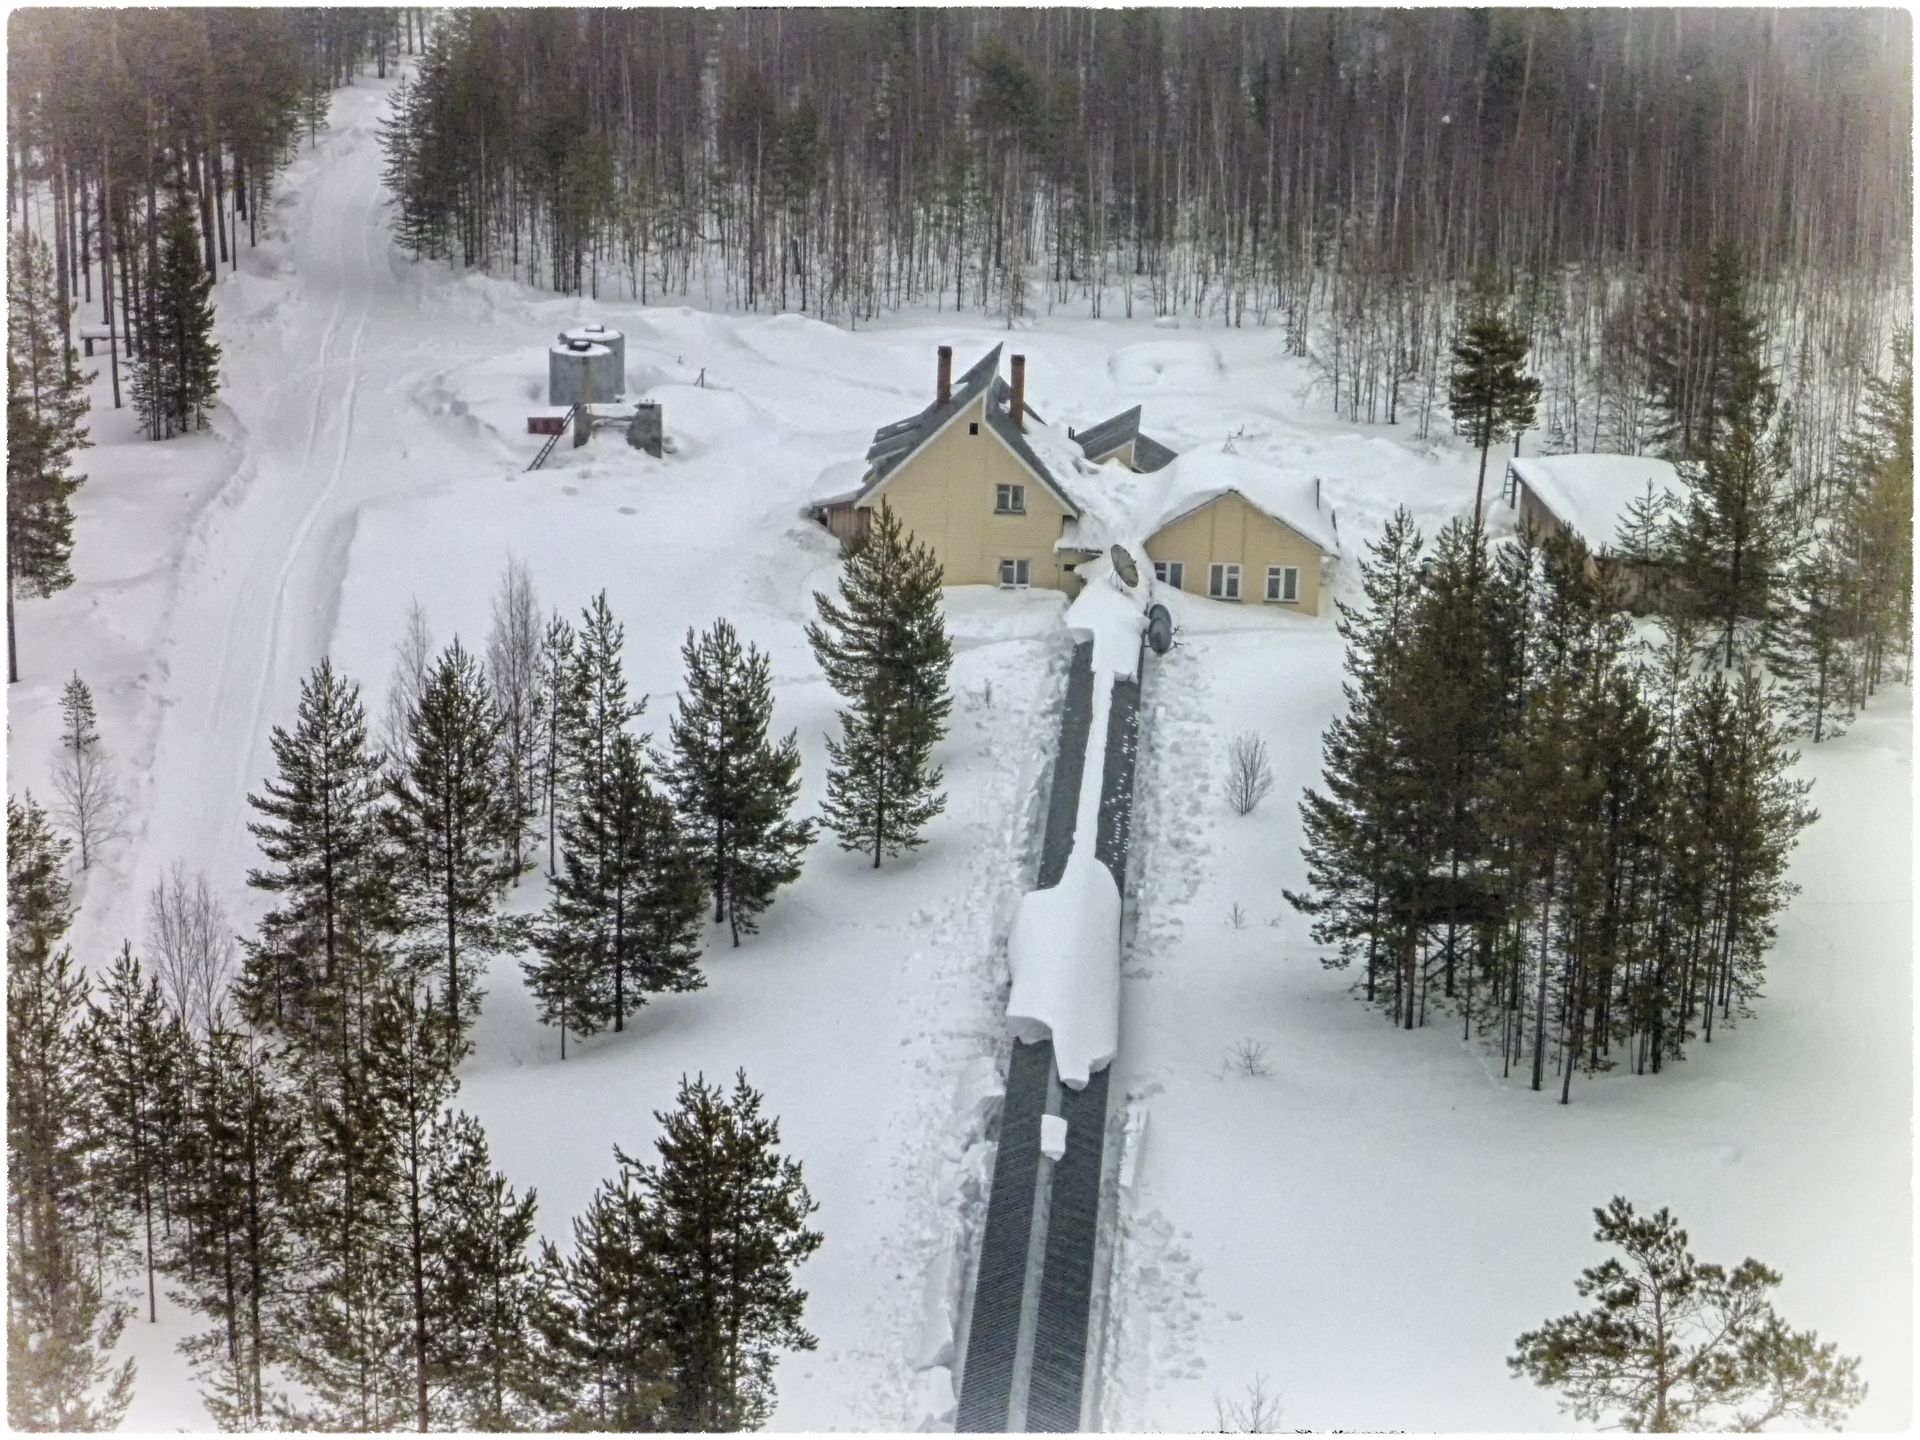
(580, 372)
(613, 340)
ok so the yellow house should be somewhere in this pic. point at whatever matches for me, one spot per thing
(1005, 500)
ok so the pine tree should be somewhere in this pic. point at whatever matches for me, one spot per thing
(557, 643)
(1488, 391)
(61, 1326)
(321, 833)
(1735, 536)
(128, 1059)
(723, 1229)
(46, 402)
(573, 960)
(1874, 523)
(176, 375)
(1678, 1344)
(450, 806)
(241, 1254)
(359, 1355)
(604, 1356)
(625, 912)
(1809, 657)
(480, 1272)
(884, 648)
(39, 900)
(734, 788)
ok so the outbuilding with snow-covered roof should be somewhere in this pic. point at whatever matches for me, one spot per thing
(1602, 499)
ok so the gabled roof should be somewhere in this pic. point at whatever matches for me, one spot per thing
(1590, 493)
(1102, 440)
(894, 444)
(1132, 509)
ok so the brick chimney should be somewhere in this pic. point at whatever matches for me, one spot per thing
(943, 382)
(1019, 402)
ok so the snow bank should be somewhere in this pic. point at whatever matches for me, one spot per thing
(1053, 1136)
(1065, 955)
(1113, 615)
(934, 1404)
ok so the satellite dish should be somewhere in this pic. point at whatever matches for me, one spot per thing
(1159, 629)
(1124, 567)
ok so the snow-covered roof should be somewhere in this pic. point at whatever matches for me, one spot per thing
(1127, 508)
(1590, 493)
(1116, 433)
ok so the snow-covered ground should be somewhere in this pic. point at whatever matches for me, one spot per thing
(1371, 1223)
(1358, 1225)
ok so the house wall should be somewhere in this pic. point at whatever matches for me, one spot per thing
(1229, 531)
(945, 496)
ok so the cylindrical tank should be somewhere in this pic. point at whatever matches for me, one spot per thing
(581, 373)
(614, 341)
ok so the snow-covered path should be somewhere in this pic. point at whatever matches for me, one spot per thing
(319, 398)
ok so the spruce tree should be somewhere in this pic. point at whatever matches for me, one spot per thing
(1674, 1343)
(1354, 876)
(328, 867)
(46, 402)
(1491, 396)
(450, 807)
(91, 806)
(176, 375)
(723, 1229)
(1735, 536)
(884, 648)
(61, 1325)
(1874, 523)
(734, 788)
(1700, 336)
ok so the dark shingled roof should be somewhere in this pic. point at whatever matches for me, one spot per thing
(893, 443)
(1115, 434)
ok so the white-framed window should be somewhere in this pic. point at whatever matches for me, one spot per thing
(1223, 582)
(1170, 572)
(1009, 499)
(1283, 584)
(1015, 574)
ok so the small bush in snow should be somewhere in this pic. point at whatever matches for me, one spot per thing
(1249, 1058)
(1257, 1413)
(1249, 775)
(1237, 916)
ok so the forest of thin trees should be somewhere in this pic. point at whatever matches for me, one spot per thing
(1336, 174)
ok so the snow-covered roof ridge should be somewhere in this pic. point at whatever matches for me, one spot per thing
(1590, 493)
(1127, 509)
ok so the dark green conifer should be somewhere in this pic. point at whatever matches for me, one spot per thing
(884, 648)
(735, 789)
